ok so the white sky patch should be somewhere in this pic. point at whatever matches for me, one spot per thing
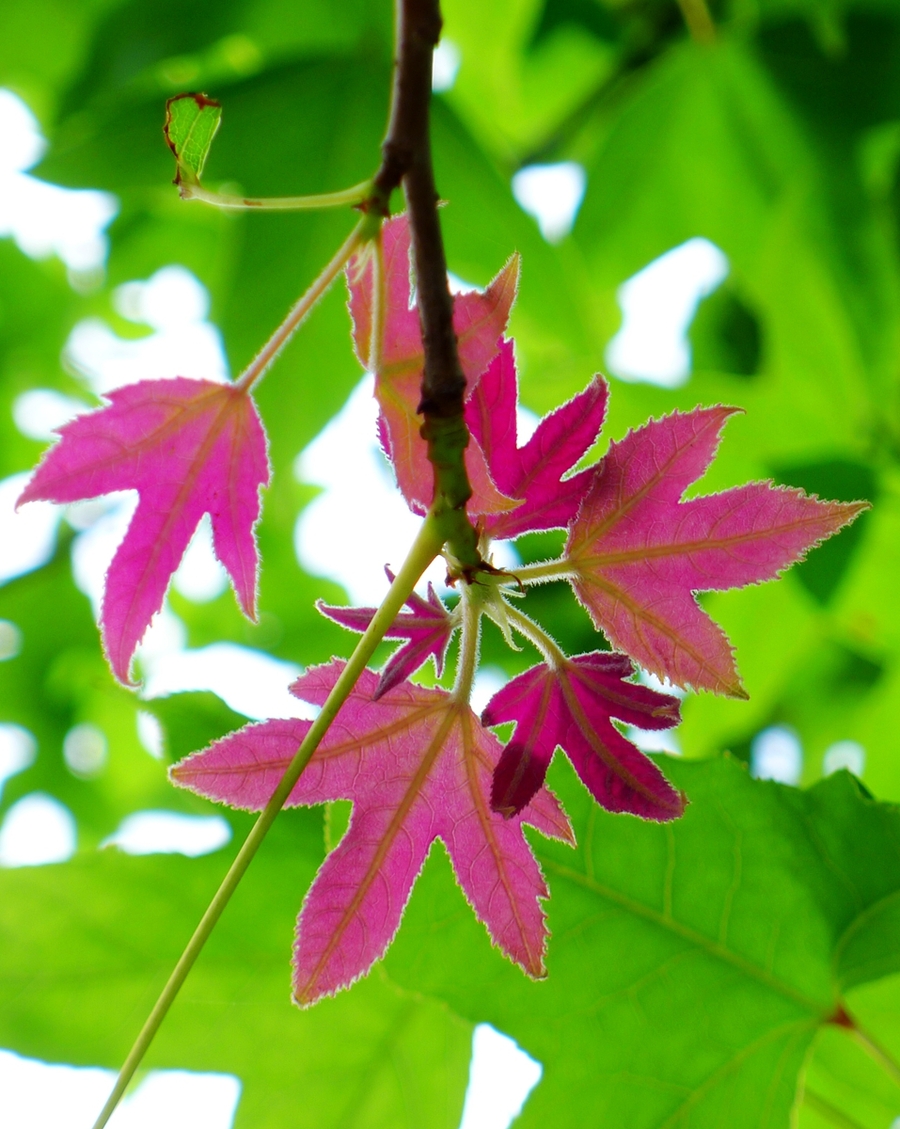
(150, 733)
(36, 830)
(10, 640)
(552, 194)
(85, 750)
(776, 754)
(654, 740)
(360, 522)
(249, 681)
(28, 536)
(17, 750)
(445, 65)
(170, 832)
(488, 680)
(501, 1077)
(43, 218)
(844, 754)
(174, 304)
(39, 412)
(658, 304)
(201, 577)
(41, 1094)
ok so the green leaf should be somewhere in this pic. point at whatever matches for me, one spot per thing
(80, 975)
(191, 124)
(691, 965)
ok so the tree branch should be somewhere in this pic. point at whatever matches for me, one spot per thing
(407, 160)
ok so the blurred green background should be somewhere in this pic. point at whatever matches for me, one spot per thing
(778, 140)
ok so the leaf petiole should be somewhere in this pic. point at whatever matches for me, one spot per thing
(424, 549)
(535, 634)
(264, 358)
(544, 571)
(347, 197)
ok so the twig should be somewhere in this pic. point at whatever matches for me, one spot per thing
(407, 160)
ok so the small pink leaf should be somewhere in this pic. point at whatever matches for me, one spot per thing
(534, 472)
(479, 320)
(188, 447)
(638, 553)
(427, 627)
(417, 766)
(571, 707)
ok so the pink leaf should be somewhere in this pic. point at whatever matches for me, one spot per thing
(571, 707)
(427, 627)
(417, 766)
(188, 447)
(479, 320)
(534, 472)
(638, 553)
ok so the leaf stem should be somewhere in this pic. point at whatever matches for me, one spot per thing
(348, 196)
(264, 358)
(468, 647)
(546, 570)
(534, 633)
(425, 548)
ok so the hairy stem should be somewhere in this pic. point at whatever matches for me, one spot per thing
(407, 160)
(425, 548)
(468, 647)
(349, 196)
(264, 358)
(532, 631)
(546, 570)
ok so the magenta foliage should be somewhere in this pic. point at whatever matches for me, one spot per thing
(638, 553)
(188, 447)
(417, 765)
(479, 320)
(572, 707)
(427, 627)
(533, 473)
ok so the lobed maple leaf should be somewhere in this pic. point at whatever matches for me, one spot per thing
(188, 447)
(417, 765)
(479, 320)
(533, 473)
(571, 706)
(427, 627)
(637, 553)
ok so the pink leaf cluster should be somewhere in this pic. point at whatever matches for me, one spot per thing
(417, 766)
(427, 628)
(572, 706)
(479, 320)
(188, 447)
(533, 473)
(638, 553)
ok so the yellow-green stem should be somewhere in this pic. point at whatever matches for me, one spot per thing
(537, 635)
(545, 570)
(348, 197)
(298, 312)
(468, 647)
(424, 549)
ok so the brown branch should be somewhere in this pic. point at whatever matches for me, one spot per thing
(407, 160)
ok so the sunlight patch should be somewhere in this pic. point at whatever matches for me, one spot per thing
(658, 305)
(501, 1077)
